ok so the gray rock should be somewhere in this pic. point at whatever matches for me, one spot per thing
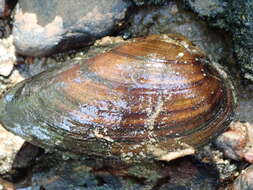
(207, 7)
(236, 17)
(172, 18)
(44, 27)
(88, 175)
(244, 181)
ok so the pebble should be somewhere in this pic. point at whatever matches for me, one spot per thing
(53, 26)
(172, 18)
(244, 181)
(7, 56)
(9, 147)
(237, 142)
(89, 174)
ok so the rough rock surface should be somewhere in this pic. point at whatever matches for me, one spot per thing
(43, 27)
(9, 146)
(244, 181)
(7, 56)
(172, 18)
(236, 17)
(89, 175)
(237, 142)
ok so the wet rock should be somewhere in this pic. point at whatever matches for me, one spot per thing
(9, 147)
(88, 174)
(237, 142)
(209, 8)
(211, 155)
(7, 56)
(172, 18)
(41, 28)
(245, 113)
(244, 181)
(236, 17)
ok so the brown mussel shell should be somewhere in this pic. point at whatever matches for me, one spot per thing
(157, 97)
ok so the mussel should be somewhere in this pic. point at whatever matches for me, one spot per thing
(157, 97)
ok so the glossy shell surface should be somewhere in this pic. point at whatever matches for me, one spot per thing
(157, 97)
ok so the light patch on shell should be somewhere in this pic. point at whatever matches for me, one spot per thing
(163, 154)
(226, 77)
(149, 123)
(180, 55)
(153, 57)
(182, 43)
(101, 136)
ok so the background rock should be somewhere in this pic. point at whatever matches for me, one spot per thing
(236, 17)
(88, 175)
(237, 142)
(172, 18)
(41, 28)
(9, 146)
(244, 181)
(7, 56)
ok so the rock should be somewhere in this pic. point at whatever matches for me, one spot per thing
(207, 8)
(235, 16)
(89, 174)
(42, 28)
(25, 156)
(237, 142)
(7, 56)
(244, 181)
(245, 113)
(9, 147)
(172, 18)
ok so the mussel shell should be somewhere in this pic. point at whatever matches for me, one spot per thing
(148, 99)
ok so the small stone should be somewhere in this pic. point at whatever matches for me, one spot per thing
(7, 56)
(9, 147)
(244, 181)
(53, 26)
(237, 142)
